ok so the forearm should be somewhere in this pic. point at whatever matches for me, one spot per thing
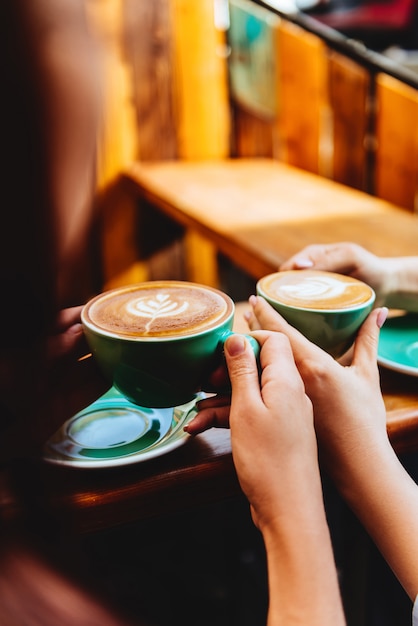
(303, 585)
(385, 498)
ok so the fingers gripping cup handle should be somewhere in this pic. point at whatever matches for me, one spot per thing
(253, 342)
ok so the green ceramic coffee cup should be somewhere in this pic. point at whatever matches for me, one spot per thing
(157, 342)
(326, 307)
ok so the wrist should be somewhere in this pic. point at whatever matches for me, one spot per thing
(391, 277)
(355, 470)
(401, 283)
(295, 510)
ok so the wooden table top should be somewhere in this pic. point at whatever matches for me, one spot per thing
(259, 211)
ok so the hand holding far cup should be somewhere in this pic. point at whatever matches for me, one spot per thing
(350, 417)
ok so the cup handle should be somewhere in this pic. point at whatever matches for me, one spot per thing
(256, 349)
(253, 342)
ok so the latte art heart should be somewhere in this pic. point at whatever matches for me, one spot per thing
(315, 289)
(321, 287)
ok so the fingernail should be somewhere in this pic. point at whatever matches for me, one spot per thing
(247, 315)
(303, 263)
(382, 316)
(235, 345)
(252, 300)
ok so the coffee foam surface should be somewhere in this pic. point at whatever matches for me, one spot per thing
(158, 310)
(314, 289)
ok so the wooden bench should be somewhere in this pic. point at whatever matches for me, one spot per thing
(258, 212)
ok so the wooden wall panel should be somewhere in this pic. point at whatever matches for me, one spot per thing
(252, 136)
(349, 86)
(200, 81)
(138, 122)
(117, 142)
(166, 97)
(147, 43)
(304, 107)
(201, 100)
(397, 142)
(166, 73)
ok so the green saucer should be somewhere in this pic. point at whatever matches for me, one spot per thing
(398, 344)
(112, 431)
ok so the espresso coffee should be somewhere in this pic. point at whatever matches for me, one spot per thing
(158, 309)
(315, 289)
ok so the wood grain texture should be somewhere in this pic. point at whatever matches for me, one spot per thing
(258, 212)
(304, 104)
(349, 86)
(147, 44)
(200, 81)
(397, 142)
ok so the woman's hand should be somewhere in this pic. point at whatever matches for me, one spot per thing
(345, 258)
(394, 279)
(275, 455)
(350, 417)
(73, 380)
(271, 423)
(213, 412)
